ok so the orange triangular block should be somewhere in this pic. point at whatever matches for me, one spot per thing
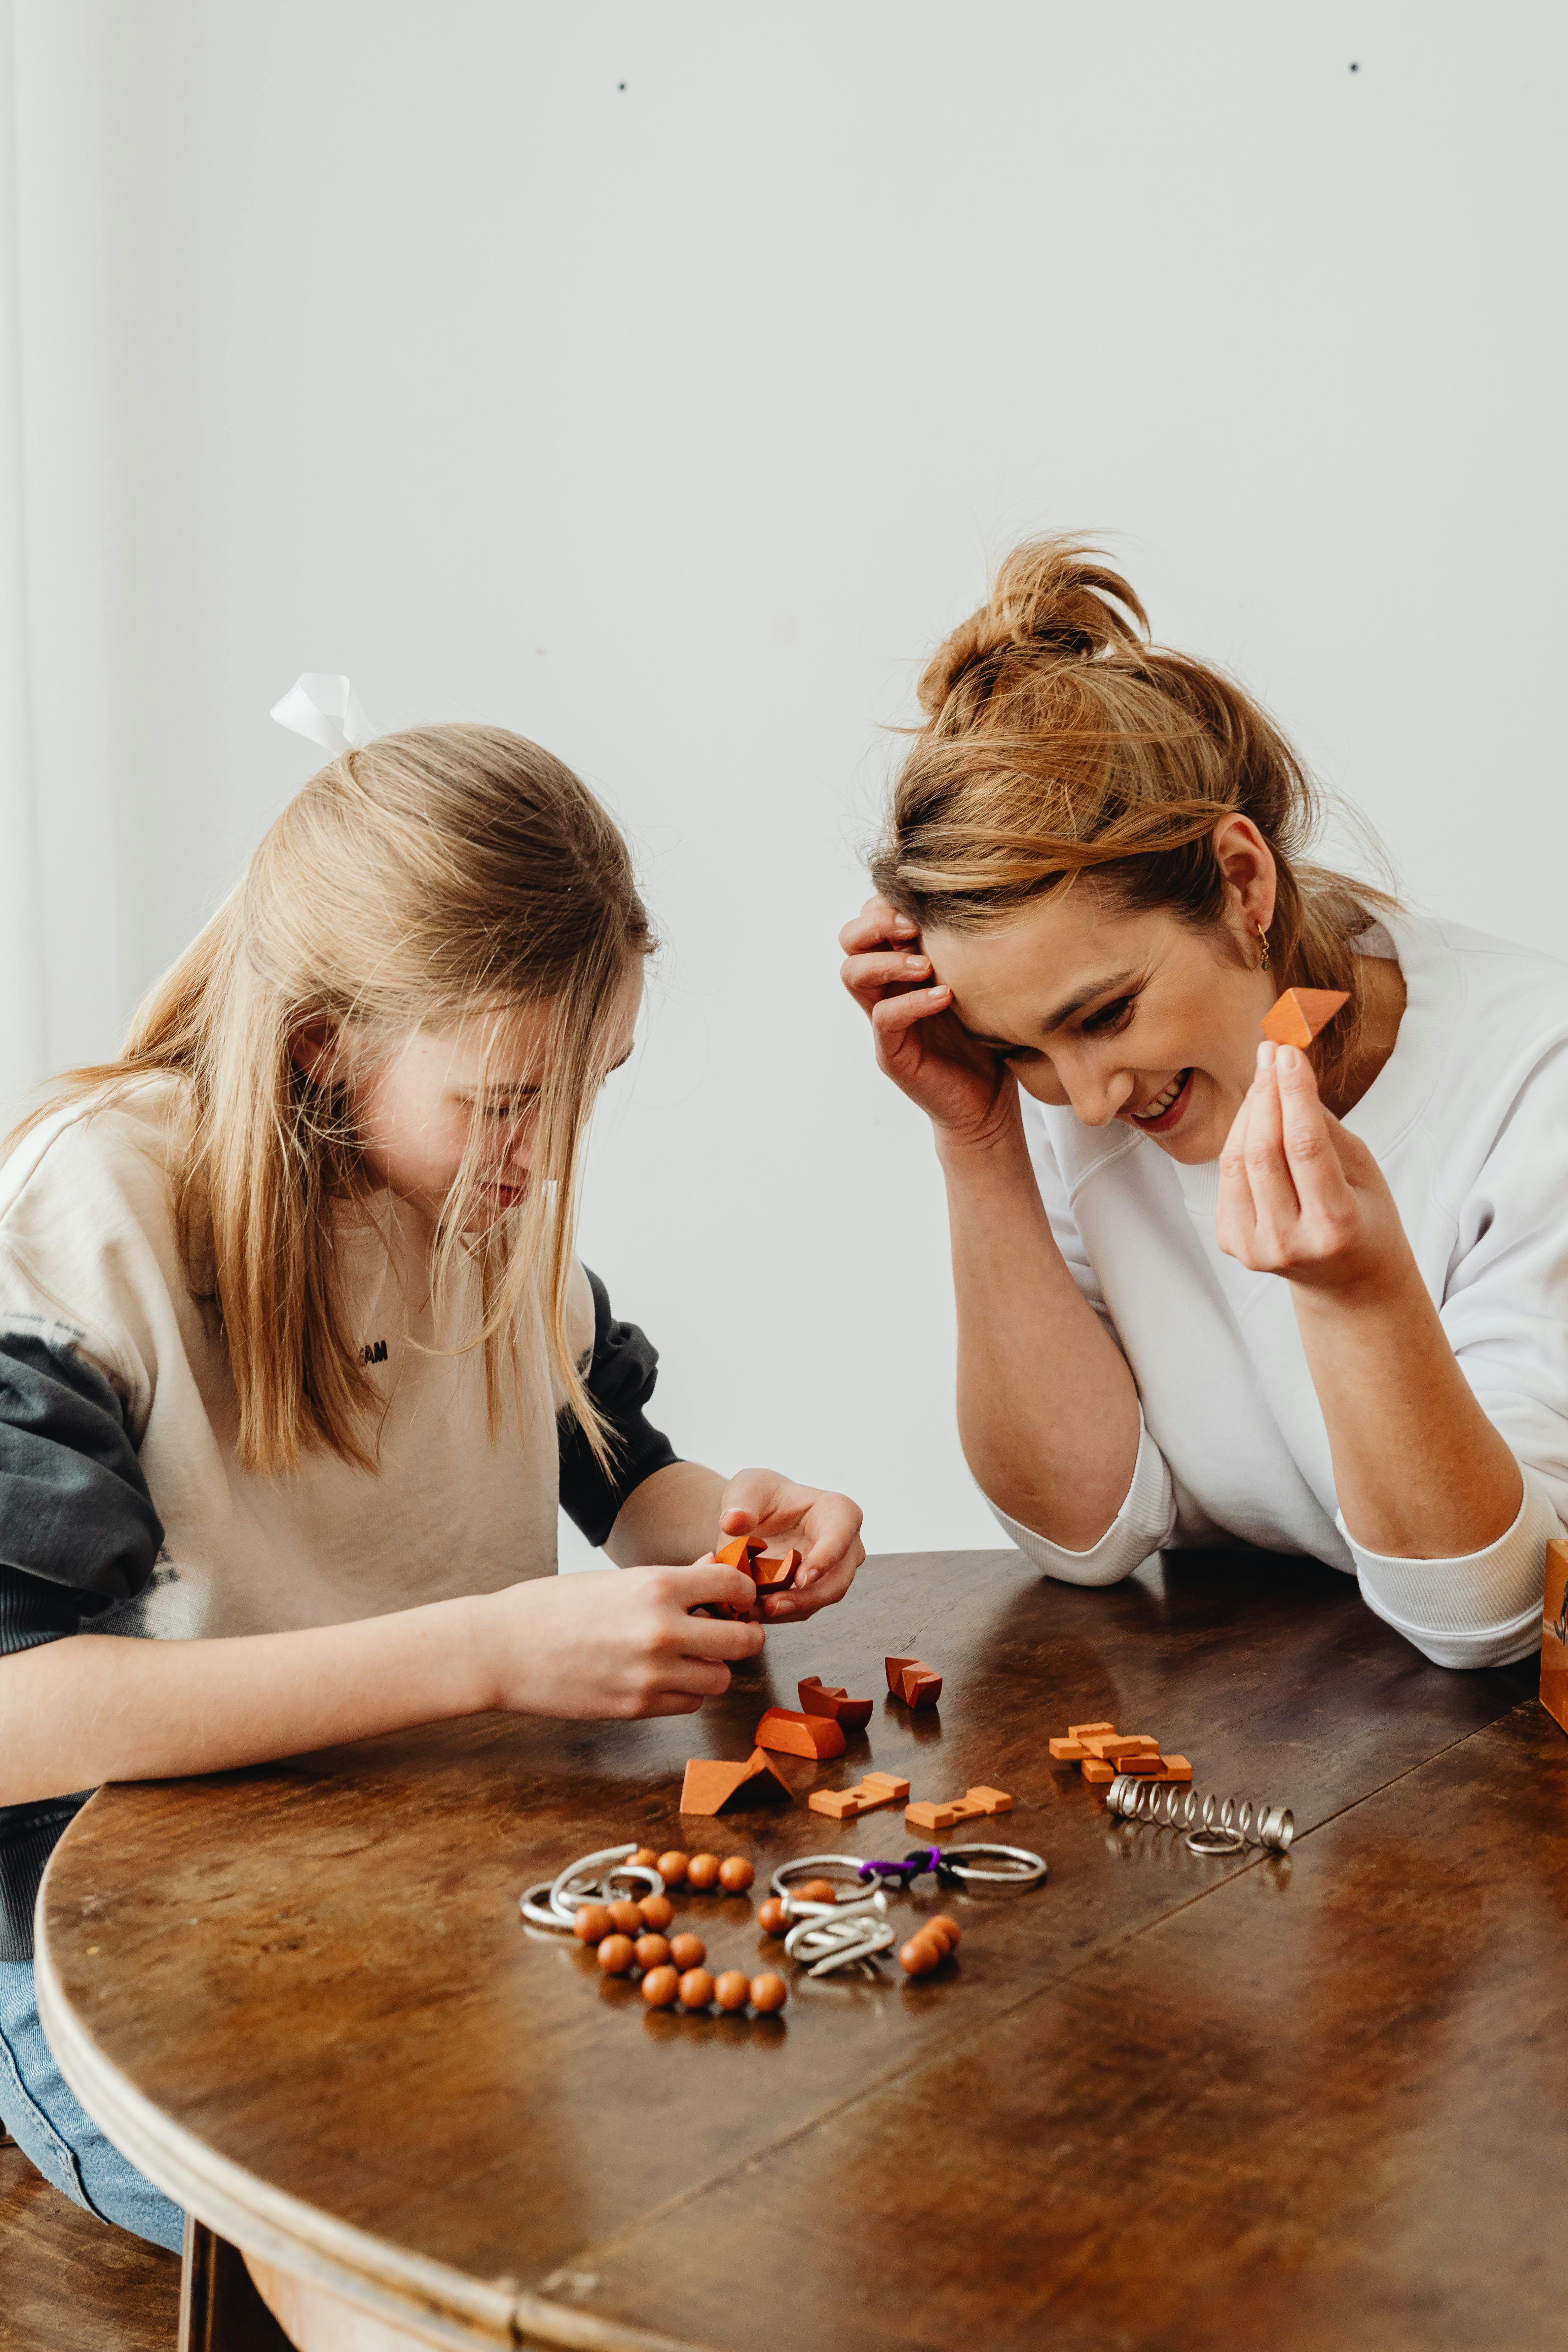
(712, 1787)
(1295, 1018)
(789, 1734)
(734, 1555)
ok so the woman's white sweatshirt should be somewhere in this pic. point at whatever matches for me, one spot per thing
(1469, 1122)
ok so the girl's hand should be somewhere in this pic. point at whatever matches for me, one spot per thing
(615, 1642)
(963, 1087)
(824, 1528)
(1298, 1195)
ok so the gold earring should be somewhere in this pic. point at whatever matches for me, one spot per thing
(1264, 938)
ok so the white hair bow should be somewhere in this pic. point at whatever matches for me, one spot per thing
(325, 710)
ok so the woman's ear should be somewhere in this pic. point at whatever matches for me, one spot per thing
(1247, 862)
(314, 1050)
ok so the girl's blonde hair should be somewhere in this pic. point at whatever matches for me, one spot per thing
(423, 877)
(1058, 741)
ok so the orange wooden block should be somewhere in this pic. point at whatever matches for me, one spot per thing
(788, 1734)
(1143, 1767)
(895, 1667)
(929, 1817)
(1093, 1769)
(1089, 1730)
(1108, 1747)
(1174, 1767)
(973, 1803)
(1067, 1751)
(983, 1799)
(848, 1804)
(775, 1575)
(818, 1697)
(712, 1787)
(918, 1686)
(734, 1555)
(1295, 1018)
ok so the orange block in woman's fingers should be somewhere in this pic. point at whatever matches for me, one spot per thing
(1295, 1018)
(734, 1555)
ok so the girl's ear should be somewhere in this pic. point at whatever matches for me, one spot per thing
(1246, 863)
(314, 1050)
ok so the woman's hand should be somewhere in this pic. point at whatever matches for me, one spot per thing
(964, 1088)
(824, 1528)
(615, 1640)
(1300, 1195)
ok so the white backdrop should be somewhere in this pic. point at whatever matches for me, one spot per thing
(659, 380)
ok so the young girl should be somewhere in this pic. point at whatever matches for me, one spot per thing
(296, 1360)
(1208, 1289)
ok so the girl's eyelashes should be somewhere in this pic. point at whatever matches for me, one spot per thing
(1109, 1019)
(1019, 1053)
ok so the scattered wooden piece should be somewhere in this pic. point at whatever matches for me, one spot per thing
(1295, 1018)
(1093, 1769)
(1174, 1767)
(1087, 1730)
(1067, 1751)
(973, 1805)
(818, 1697)
(848, 1804)
(734, 1554)
(895, 1667)
(712, 1787)
(789, 1734)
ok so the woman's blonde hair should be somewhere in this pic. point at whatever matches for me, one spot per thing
(427, 877)
(1058, 741)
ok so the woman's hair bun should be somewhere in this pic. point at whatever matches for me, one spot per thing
(1053, 601)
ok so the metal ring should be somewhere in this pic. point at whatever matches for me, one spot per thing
(1216, 1840)
(1031, 1874)
(807, 1864)
(871, 1940)
(822, 1926)
(611, 1862)
(536, 1913)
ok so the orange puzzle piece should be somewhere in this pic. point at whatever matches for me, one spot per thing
(1295, 1018)
(1093, 1769)
(913, 1681)
(788, 1734)
(847, 1804)
(712, 1787)
(967, 1808)
(818, 1697)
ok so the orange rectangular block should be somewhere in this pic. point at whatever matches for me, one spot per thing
(1067, 1751)
(988, 1800)
(838, 1804)
(1107, 1746)
(1093, 1769)
(1143, 1746)
(788, 1734)
(714, 1787)
(848, 1804)
(931, 1817)
(1554, 1634)
(1174, 1767)
(1143, 1767)
(1295, 1018)
(1089, 1730)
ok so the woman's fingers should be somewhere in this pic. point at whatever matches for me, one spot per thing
(867, 975)
(877, 925)
(1274, 1199)
(1317, 1177)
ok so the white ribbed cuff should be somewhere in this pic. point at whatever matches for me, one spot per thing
(1480, 1610)
(1144, 1522)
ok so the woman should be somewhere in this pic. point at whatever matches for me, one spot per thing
(1209, 1289)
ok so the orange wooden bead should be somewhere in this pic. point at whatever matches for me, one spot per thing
(732, 1991)
(645, 1858)
(652, 1952)
(735, 1874)
(939, 1922)
(688, 1951)
(696, 1989)
(626, 1919)
(657, 1911)
(769, 1992)
(616, 1954)
(593, 1923)
(672, 1868)
(920, 1956)
(702, 1871)
(772, 1916)
(815, 1890)
(660, 1988)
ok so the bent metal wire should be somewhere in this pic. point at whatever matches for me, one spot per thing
(842, 1936)
(1217, 1824)
(591, 1879)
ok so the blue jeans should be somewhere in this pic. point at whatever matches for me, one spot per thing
(49, 2123)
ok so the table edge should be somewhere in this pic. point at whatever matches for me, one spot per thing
(451, 2308)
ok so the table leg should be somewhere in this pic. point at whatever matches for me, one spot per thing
(220, 2310)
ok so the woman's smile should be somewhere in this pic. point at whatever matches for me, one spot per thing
(1160, 1116)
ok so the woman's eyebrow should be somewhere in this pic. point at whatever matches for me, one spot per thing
(1065, 1011)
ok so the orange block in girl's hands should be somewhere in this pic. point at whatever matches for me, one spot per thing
(1295, 1018)
(735, 1554)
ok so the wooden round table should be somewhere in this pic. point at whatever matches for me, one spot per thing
(1163, 2102)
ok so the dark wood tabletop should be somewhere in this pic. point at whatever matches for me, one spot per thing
(1167, 2102)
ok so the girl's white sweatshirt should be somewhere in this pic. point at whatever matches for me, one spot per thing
(1469, 1122)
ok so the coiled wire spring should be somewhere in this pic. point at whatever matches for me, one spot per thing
(1217, 1824)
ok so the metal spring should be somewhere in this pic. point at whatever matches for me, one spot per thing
(1235, 1820)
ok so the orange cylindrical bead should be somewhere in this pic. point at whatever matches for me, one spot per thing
(657, 1911)
(732, 1989)
(672, 1868)
(772, 1916)
(702, 1871)
(735, 1874)
(768, 1992)
(688, 1951)
(696, 1989)
(626, 1919)
(593, 1923)
(815, 1890)
(660, 1988)
(920, 1956)
(615, 1955)
(652, 1952)
(645, 1858)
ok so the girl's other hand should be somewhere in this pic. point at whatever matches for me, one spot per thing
(965, 1089)
(824, 1528)
(615, 1642)
(1298, 1195)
